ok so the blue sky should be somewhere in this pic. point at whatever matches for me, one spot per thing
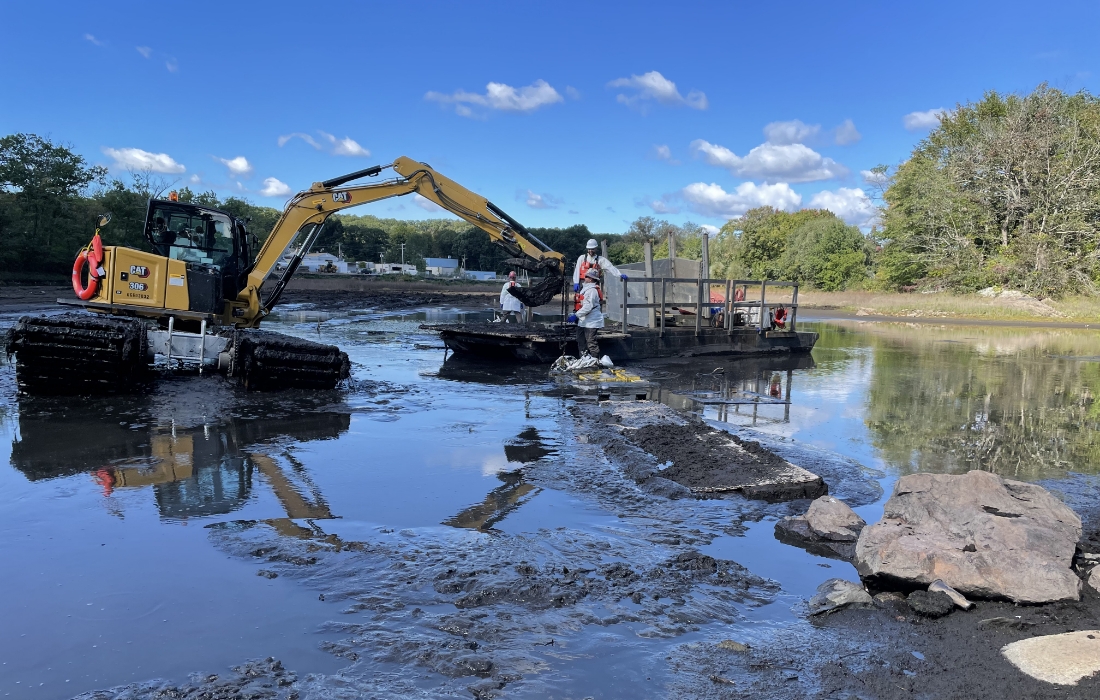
(560, 113)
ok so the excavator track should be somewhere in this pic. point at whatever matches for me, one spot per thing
(265, 361)
(78, 353)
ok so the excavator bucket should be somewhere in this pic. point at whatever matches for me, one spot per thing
(539, 293)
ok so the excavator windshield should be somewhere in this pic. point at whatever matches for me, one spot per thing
(191, 234)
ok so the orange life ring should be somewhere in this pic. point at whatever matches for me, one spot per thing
(82, 292)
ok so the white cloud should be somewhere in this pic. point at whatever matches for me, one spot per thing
(299, 135)
(538, 201)
(195, 179)
(793, 131)
(661, 206)
(654, 86)
(663, 152)
(427, 204)
(850, 204)
(346, 146)
(275, 188)
(137, 159)
(572, 92)
(91, 38)
(172, 65)
(145, 51)
(237, 166)
(873, 178)
(846, 134)
(711, 229)
(772, 163)
(500, 97)
(922, 121)
(712, 200)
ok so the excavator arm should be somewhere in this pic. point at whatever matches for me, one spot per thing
(301, 222)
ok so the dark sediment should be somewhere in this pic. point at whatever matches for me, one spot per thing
(386, 300)
(707, 460)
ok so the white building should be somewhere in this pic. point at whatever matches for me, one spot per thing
(323, 262)
(480, 275)
(394, 269)
(440, 267)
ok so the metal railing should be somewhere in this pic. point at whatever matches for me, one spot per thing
(703, 287)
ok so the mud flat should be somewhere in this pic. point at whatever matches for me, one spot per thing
(707, 460)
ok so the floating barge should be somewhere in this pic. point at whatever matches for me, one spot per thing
(714, 318)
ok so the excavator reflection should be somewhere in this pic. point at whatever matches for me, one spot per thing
(197, 472)
(528, 447)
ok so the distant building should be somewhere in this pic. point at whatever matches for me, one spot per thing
(395, 269)
(440, 267)
(324, 262)
(480, 275)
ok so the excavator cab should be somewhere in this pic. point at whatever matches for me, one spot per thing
(212, 243)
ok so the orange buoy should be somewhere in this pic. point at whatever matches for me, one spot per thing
(82, 292)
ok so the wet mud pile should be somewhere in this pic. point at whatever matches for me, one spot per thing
(707, 460)
(256, 680)
(386, 300)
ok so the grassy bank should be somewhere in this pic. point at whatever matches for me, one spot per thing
(945, 305)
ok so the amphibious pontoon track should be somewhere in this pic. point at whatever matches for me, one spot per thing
(77, 353)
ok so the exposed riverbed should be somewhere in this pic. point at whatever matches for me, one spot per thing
(462, 529)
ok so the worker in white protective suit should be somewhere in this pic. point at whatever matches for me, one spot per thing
(592, 260)
(511, 307)
(588, 317)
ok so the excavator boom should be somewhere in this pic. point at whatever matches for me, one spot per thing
(307, 211)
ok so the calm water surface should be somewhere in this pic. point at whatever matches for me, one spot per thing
(110, 577)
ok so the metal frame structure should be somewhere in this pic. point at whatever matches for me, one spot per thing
(704, 286)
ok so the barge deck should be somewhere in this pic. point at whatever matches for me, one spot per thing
(543, 343)
(661, 317)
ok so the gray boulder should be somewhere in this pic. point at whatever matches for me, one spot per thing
(829, 528)
(982, 535)
(837, 593)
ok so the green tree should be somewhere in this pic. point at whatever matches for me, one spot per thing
(42, 211)
(1006, 191)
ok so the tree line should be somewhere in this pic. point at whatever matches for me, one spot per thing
(1004, 192)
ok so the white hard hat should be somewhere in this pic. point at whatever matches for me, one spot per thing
(592, 274)
(592, 244)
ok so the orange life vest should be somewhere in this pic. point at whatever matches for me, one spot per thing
(578, 298)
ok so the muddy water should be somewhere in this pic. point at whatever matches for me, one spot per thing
(442, 525)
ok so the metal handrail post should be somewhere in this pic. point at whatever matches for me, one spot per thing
(763, 291)
(624, 306)
(794, 307)
(664, 285)
(699, 306)
(729, 307)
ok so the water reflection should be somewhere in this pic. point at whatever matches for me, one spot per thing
(196, 472)
(749, 391)
(529, 446)
(1018, 402)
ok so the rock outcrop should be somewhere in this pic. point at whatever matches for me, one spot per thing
(982, 535)
(829, 528)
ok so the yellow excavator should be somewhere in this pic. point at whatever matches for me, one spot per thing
(198, 296)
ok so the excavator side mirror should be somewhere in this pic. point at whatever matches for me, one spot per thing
(102, 220)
